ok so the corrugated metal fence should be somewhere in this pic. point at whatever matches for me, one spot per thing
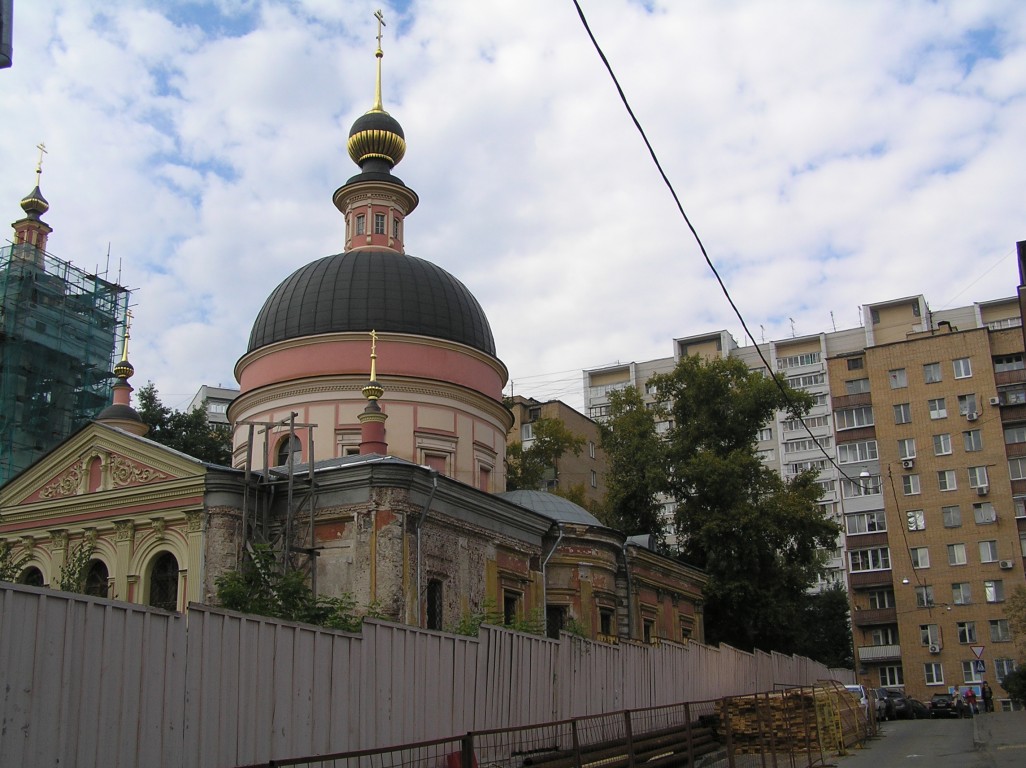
(86, 681)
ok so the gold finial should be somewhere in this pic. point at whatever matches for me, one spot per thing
(378, 106)
(128, 335)
(374, 354)
(373, 390)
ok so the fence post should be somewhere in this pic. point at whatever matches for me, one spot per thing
(576, 743)
(630, 737)
(687, 729)
(467, 751)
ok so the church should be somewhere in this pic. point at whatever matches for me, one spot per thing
(368, 445)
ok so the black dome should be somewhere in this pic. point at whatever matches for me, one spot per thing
(367, 291)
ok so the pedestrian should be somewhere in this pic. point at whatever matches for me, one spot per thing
(970, 701)
(959, 703)
(988, 697)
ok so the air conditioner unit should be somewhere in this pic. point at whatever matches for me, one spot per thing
(1006, 565)
(908, 463)
(982, 490)
(935, 648)
(972, 416)
(995, 401)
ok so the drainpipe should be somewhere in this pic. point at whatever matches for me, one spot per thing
(627, 577)
(420, 522)
(545, 563)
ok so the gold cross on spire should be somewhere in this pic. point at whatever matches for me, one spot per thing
(128, 335)
(39, 164)
(378, 106)
(374, 354)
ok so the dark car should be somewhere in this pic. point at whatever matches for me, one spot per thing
(901, 707)
(942, 705)
(919, 710)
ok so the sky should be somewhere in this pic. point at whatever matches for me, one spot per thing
(829, 154)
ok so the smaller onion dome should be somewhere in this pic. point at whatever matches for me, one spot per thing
(34, 204)
(124, 369)
(376, 135)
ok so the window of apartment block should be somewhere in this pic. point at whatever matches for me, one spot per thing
(984, 513)
(994, 591)
(1008, 363)
(963, 368)
(929, 634)
(999, 631)
(897, 378)
(594, 479)
(966, 631)
(910, 484)
(1014, 395)
(862, 486)
(1017, 469)
(907, 448)
(941, 445)
(920, 557)
(924, 596)
(915, 519)
(851, 418)
(972, 440)
(891, 675)
(797, 361)
(952, 516)
(865, 522)
(978, 477)
(1002, 667)
(856, 363)
(932, 373)
(765, 434)
(876, 559)
(988, 551)
(1015, 434)
(967, 405)
(856, 386)
(863, 450)
(591, 449)
(1022, 546)
(881, 598)
(956, 554)
(883, 636)
(961, 593)
(946, 480)
(933, 673)
(938, 410)
(969, 673)
(902, 413)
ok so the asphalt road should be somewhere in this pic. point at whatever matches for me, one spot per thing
(943, 743)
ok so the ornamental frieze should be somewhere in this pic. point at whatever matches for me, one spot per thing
(124, 471)
(67, 484)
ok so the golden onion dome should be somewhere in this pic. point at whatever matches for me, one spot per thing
(376, 135)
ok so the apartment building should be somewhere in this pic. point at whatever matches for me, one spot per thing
(585, 470)
(920, 417)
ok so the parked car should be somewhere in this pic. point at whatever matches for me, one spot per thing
(919, 710)
(942, 705)
(884, 705)
(859, 692)
(900, 703)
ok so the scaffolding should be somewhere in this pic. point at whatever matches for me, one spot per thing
(58, 335)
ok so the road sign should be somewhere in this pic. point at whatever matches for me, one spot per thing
(979, 666)
(978, 650)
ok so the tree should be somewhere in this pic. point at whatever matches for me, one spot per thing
(75, 569)
(188, 432)
(826, 630)
(526, 467)
(10, 566)
(758, 536)
(1015, 684)
(636, 472)
(1015, 610)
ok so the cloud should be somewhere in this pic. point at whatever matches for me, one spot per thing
(829, 156)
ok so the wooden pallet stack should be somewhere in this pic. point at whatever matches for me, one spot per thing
(782, 721)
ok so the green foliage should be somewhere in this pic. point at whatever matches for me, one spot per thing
(637, 465)
(1015, 610)
(576, 628)
(757, 535)
(489, 613)
(1015, 684)
(260, 586)
(826, 630)
(188, 432)
(526, 468)
(10, 566)
(75, 569)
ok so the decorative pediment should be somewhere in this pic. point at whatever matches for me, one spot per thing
(98, 470)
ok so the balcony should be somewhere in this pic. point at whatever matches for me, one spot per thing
(868, 579)
(879, 652)
(1009, 377)
(851, 401)
(866, 617)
